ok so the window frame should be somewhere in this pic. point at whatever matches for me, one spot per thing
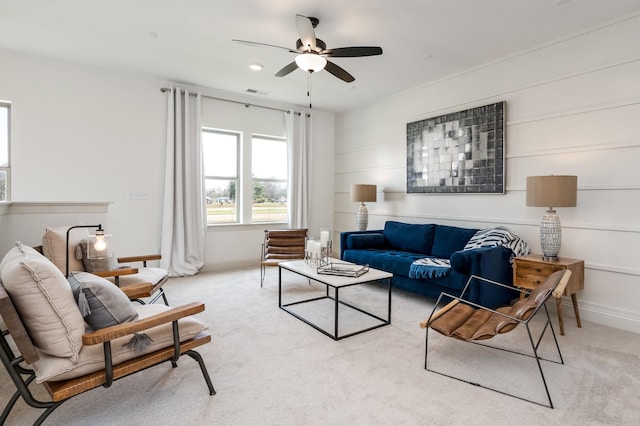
(7, 168)
(244, 179)
(237, 178)
(269, 180)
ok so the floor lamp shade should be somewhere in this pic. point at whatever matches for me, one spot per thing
(551, 191)
(363, 193)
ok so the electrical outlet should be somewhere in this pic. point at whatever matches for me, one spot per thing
(138, 195)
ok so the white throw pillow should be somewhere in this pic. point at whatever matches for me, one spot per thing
(44, 300)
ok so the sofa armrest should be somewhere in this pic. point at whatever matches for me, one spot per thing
(346, 234)
(493, 263)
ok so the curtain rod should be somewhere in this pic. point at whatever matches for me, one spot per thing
(246, 104)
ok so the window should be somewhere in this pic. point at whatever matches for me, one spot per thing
(220, 151)
(5, 178)
(245, 179)
(269, 175)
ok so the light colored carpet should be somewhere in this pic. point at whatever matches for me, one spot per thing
(270, 368)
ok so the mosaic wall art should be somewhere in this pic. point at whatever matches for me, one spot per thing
(461, 152)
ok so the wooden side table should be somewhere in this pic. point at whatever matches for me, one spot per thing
(531, 271)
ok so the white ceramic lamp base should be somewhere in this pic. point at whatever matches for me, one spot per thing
(363, 217)
(550, 235)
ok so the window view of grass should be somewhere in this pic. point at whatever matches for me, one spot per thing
(261, 212)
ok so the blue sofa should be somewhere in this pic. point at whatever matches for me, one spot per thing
(395, 248)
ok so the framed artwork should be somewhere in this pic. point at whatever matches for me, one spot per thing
(461, 152)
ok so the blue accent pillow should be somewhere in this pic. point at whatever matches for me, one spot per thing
(410, 237)
(365, 241)
(449, 239)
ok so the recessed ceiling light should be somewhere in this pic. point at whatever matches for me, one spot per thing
(256, 67)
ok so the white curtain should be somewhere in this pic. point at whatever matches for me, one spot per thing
(298, 126)
(184, 219)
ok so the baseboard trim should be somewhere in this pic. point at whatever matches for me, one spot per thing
(601, 314)
(230, 265)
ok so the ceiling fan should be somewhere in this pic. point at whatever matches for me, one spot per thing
(312, 52)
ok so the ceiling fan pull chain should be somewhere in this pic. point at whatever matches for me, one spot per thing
(309, 88)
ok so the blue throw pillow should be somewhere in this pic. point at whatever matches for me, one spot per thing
(365, 241)
(409, 237)
(449, 239)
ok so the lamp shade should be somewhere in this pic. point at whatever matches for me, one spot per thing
(363, 192)
(310, 62)
(552, 191)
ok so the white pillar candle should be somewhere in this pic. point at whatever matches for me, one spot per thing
(324, 238)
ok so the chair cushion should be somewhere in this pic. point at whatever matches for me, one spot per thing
(149, 274)
(94, 265)
(54, 247)
(44, 301)
(107, 304)
(91, 358)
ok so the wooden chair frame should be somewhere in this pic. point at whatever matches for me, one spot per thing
(281, 245)
(61, 391)
(535, 342)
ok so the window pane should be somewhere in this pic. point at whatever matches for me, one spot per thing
(269, 201)
(4, 136)
(220, 152)
(269, 158)
(221, 201)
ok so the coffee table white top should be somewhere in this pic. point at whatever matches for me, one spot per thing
(309, 270)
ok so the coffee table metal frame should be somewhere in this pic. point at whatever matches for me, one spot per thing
(309, 271)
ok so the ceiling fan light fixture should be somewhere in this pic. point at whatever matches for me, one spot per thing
(311, 62)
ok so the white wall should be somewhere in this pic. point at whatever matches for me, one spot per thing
(85, 134)
(572, 107)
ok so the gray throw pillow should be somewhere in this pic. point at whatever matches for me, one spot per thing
(101, 303)
(95, 265)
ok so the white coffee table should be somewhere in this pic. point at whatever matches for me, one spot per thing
(309, 271)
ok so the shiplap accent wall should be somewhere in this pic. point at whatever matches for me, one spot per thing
(572, 107)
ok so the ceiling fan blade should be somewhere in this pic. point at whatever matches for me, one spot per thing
(306, 32)
(352, 52)
(339, 72)
(288, 69)
(254, 43)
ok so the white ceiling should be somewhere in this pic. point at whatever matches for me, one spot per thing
(189, 41)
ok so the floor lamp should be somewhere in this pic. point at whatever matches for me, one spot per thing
(551, 191)
(363, 193)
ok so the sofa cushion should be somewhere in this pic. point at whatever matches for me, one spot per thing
(410, 237)
(449, 239)
(364, 241)
(44, 300)
(101, 302)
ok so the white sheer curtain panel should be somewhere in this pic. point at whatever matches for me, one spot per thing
(298, 126)
(184, 219)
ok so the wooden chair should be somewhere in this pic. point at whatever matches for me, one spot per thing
(26, 362)
(281, 245)
(137, 282)
(470, 322)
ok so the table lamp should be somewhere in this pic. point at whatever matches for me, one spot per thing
(363, 193)
(551, 191)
